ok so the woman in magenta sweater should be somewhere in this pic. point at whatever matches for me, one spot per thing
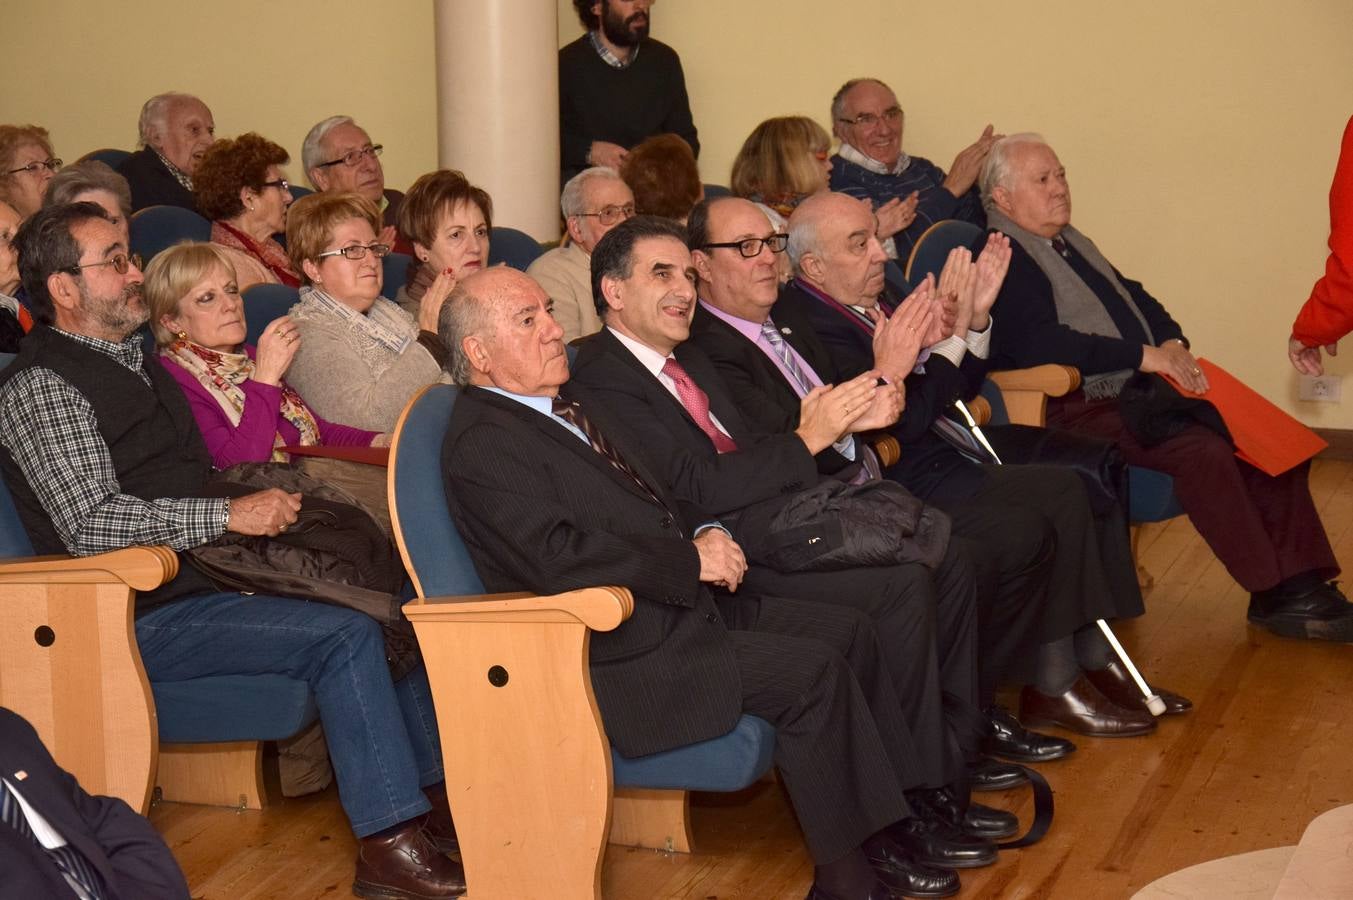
(244, 408)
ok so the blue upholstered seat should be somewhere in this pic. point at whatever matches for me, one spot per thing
(109, 156)
(262, 304)
(442, 567)
(157, 228)
(516, 248)
(394, 273)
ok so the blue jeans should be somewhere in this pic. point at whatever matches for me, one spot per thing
(382, 736)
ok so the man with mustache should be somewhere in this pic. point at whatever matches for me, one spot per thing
(99, 448)
(618, 86)
(175, 130)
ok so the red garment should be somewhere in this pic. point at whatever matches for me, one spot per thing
(270, 253)
(1328, 314)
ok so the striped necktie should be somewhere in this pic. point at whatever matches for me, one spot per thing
(572, 413)
(82, 877)
(786, 355)
(696, 402)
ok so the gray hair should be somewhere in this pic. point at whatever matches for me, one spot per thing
(839, 98)
(996, 170)
(571, 200)
(312, 154)
(155, 114)
(89, 175)
(463, 314)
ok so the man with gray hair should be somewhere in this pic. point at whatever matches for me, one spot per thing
(338, 155)
(1064, 302)
(593, 202)
(909, 193)
(175, 130)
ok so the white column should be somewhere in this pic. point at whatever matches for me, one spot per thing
(498, 105)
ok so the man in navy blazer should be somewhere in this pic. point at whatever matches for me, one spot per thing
(130, 857)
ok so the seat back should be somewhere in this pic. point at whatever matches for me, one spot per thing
(157, 228)
(433, 551)
(394, 273)
(14, 541)
(516, 248)
(262, 304)
(932, 247)
(110, 157)
(713, 191)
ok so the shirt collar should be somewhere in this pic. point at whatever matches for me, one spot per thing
(607, 56)
(649, 358)
(750, 330)
(180, 176)
(851, 155)
(543, 405)
(128, 353)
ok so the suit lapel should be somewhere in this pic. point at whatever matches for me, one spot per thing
(654, 390)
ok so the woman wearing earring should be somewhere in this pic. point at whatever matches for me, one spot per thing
(239, 185)
(448, 220)
(361, 357)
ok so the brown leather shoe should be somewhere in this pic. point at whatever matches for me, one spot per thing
(403, 865)
(1115, 683)
(438, 825)
(1084, 710)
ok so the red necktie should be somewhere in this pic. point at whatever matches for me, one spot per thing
(696, 402)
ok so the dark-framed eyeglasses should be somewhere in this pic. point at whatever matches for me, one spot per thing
(353, 157)
(892, 114)
(750, 247)
(609, 215)
(35, 167)
(355, 252)
(120, 262)
(281, 184)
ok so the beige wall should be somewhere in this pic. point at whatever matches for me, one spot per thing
(1200, 135)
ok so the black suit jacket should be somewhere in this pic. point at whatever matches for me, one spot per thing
(540, 510)
(152, 184)
(127, 852)
(765, 466)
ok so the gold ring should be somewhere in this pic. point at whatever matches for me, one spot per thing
(1197, 371)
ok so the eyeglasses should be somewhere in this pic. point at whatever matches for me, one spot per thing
(120, 262)
(35, 167)
(609, 215)
(752, 246)
(280, 184)
(353, 157)
(355, 252)
(869, 120)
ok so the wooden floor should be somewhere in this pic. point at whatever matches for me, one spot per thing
(1269, 747)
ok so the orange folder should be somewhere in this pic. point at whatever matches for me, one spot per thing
(1265, 436)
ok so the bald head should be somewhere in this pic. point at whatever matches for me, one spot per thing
(498, 330)
(835, 248)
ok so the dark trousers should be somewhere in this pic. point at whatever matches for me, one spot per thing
(1263, 528)
(927, 625)
(842, 748)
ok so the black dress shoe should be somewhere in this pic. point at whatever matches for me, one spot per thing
(906, 875)
(403, 865)
(937, 843)
(990, 775)
(879, 891)
(1011, 740)
(972, 819)
(1323, 614)
(1115, 683)
(1083, 709)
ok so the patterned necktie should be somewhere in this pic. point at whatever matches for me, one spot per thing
(786, 356)
(696, 402)
(572, 413)
(1059, 245)
(82, 877)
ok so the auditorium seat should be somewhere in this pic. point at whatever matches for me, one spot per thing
(515, 248)
(262, 304)
(108, 156)
(157, 228)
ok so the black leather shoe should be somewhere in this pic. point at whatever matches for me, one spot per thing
(1323, 614)
(1115, 683)
(879, 891)
(905, 875)
(973, 819)
(438, 825)
(403, 865)
(990, 775)
(937, 843)
(1083, 709)
(1011, 740)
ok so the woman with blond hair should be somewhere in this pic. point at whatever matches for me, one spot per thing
(783, 160)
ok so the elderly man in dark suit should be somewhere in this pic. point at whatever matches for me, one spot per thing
(58, 841)
(175, 130)
(550, 496)
(671, 402)
(769, 362)
(1064, 302)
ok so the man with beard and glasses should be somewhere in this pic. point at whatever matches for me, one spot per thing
(98, 446)
(618, 86)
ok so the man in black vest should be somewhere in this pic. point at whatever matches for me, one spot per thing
(101, 452)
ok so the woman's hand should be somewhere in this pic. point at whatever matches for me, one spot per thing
(430, 307)
(277, 347)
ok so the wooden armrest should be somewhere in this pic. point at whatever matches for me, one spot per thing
(1050, 379)
(980, 408)
(599, 608)
(887, 448)
(142, 568)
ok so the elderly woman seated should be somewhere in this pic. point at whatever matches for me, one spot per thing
(448, 221)
(664, 177)
(783, 161)
(96, 182)
(15, 320)
(27, 164)
(361, 356)
(239, 185)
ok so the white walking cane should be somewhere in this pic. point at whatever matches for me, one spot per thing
(1154, 704)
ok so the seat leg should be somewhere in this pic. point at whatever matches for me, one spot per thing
(657, 820)
(229, 774)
